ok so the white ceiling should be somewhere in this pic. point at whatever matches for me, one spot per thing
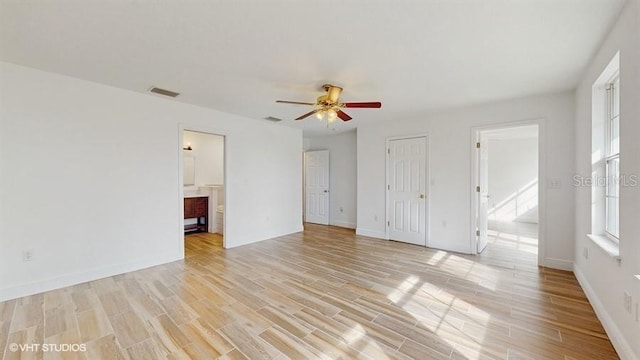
(240, 56)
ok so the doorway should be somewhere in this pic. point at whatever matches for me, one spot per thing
(407, 198)
(203, 191)
(507, 195)
(316, 178)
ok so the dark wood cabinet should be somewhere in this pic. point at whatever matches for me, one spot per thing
(198, 208)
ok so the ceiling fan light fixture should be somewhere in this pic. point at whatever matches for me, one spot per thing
(329, 107)
(331, 115)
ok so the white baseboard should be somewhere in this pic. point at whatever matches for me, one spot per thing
(344, 224)
(78, 278)
(624, 349)
(558, 264)
(292, 230)
(371, 233)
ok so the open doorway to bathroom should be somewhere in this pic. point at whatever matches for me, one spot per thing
(203, 192)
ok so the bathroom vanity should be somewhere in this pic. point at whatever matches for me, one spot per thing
(196, 207)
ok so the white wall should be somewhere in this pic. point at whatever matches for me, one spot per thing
(450, 168)
(342, 176)
(513, 165)
(602, 277)
(208, 152)
(91, 181)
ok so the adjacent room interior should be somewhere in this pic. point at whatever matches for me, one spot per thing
(203, 189)
(241, 180)
(508, 170)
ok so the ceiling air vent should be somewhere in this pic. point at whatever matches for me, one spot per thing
(274, 119)
(164, 92)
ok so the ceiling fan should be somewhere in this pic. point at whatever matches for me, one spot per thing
(328, 105)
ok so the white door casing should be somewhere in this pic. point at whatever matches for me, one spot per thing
(474, 179)
(482, 193)
(406, 187)
(317, 187)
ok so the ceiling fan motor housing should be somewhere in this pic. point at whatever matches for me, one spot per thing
(333, 93)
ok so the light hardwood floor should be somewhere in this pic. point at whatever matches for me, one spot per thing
(324, 293)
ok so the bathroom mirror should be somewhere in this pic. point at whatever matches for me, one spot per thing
(189, 170)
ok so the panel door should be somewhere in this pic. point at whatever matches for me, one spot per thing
(407, 190)
(317, 187)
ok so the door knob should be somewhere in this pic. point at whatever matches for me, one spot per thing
(326, 191)
(421, 196)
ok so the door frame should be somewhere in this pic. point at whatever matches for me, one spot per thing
(182, 127)
(542, 216)
(480, 181)
(427, 182)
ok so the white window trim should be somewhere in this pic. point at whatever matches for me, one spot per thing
(610, 93)
(606, 244)
(600, 116)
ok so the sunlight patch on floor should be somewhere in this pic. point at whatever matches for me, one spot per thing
(370, 347)
(437, 257)
(375, 351)
(513, 236)
(444, 315)
(354, 334)
(408, 284)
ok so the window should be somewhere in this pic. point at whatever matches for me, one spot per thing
(606, 180)
(612, 159)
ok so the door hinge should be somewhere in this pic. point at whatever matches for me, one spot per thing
(388, 151)
(388, 223)
(388, 187)
(477, 188)
(477, 232)
(477, 145)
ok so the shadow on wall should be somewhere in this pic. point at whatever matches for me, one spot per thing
(521, 205)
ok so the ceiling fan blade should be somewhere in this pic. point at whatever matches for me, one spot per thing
(342, 115)
(294, 102)
(375, 105)
(307, 114)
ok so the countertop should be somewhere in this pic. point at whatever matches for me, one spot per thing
(194, 195)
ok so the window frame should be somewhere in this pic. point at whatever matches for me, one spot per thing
(612, 114)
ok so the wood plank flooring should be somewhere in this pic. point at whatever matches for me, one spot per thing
(324, 293)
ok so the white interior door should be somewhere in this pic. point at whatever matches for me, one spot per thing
(407, 190)
(317, 187)
(482, 191)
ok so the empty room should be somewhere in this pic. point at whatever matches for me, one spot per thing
(320, 180)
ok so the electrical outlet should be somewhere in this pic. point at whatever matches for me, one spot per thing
(585, 252)
(27, 255)
(627, 302)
